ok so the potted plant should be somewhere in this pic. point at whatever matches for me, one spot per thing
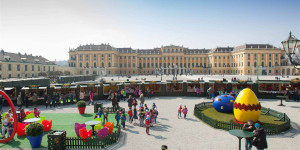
(81, 106)
(34, 132)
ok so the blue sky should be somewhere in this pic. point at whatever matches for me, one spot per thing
(49, 28)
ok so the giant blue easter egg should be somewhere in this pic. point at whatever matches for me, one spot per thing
(224, 103)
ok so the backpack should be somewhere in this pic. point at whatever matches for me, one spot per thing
(147, 122)
(124, 117)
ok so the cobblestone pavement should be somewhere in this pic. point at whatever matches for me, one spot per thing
(191, 134)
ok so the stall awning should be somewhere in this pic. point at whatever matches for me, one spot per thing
(248, 82)
(275, 81)
(43, 88)
(57, 87)
(25, 88)
(83, 86)
(8, 88)
(98, 85)
(73, 87)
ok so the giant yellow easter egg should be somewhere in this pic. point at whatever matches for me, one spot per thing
(246, 106)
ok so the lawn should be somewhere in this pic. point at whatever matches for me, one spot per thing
(59, 122)
(229, 117)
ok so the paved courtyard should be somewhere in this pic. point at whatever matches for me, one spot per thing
(191, 134)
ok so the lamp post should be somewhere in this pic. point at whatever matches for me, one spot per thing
(291, 45)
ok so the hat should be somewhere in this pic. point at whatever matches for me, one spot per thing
(256, 125)
(164, 147)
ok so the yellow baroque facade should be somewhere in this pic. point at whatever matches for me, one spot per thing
(247, 59)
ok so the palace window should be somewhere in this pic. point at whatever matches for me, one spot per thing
(32, 67)
(125, 65)
(120, 65)
(95, 56)
(9, 67)
(120, 57)
(215, 64)
(133, 57)
(109, 64)
(262, 64)
(270, 64)
(270, 57)
(133, 65)
(248, 64)
(18, 67)
(87, 65)
(129, 57)
(95, 65)
(39, 68)
(129, 65)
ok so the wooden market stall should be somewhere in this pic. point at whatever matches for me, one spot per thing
(239, 85)
(88, 87)
(132, 87)
(40, 91)
(295, 86)
(64, 88)
(11, 92)
(219, 86)
(192, 86)
(174, 88)
(155, 86)
(111, 87)
(272, 88)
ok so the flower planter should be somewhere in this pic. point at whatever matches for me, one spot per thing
(81, 110)
(35, 141)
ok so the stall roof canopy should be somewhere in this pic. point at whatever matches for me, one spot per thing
(132, 82)
(195, 81)
(274, 81)
(174, 81)
(25, 82)
(43, 87)
(152, 82)
(8, 88)
(218, 81)
(113, 83)
(242, 82)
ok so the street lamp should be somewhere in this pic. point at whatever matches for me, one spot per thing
(291, 45)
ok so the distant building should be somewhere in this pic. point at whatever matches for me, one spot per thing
(17, 65)
(248, 59)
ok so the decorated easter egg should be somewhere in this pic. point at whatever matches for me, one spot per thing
(246, 106)
(224, 103)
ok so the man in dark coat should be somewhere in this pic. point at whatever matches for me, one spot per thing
(249, 127)
(260, 141)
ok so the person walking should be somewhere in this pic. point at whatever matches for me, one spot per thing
(53, 99)
(124, 95)
(198, 92)
(296, 95)
(142, 99)
(105, 115)
(260, 140)
(147, 124)
(135, 116)
(179, 111)
(34, 99)
(249, 127)
(91, 98)
(26, 98)
(130, 115)
(117, 117)
(184, 111)
(123, 118)
(287, 94)
(19, 101)
(134, 103)
(142, 116)
(209, 92)
(130, 100)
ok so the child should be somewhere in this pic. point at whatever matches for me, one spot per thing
(5, 125)
(105, 115)
(123, 117)
(179, 111)
(147, 124)
(36, 112)
(184, 111)
(23, 114)
(135, 115)
(146, 107)
(10, 126)
(155, 112)
(130, 114)
(154, 106)
(142, 115)
(118, 117)
(10, 113)
(151, 117)
(99, 113)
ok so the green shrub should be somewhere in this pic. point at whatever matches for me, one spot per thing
(81, 104)
(34, 129)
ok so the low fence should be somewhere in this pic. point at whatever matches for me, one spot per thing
(92, 143)
(62, 142)
(269, 129)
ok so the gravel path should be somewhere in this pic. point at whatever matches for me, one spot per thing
(192, 134)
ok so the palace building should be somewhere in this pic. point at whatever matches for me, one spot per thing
(247, 59)
(17, 65)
